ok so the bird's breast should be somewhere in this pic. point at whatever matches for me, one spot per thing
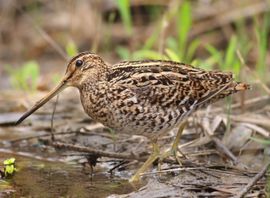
(126, 113)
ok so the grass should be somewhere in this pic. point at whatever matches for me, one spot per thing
(180, 48)
(225, 60)
(24, 78)
(71, 49)
(176, 48)
(262, 32)
(124, 9)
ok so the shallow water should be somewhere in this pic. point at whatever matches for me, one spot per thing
(38, 178)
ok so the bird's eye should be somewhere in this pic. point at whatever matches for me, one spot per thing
(79, 63)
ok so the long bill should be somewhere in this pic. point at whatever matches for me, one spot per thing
(62, 85)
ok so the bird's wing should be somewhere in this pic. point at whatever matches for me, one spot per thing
(169, 84)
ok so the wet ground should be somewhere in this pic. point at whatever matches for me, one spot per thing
(40, 178)
(218, 164)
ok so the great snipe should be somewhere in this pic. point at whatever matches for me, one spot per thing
(141, 97)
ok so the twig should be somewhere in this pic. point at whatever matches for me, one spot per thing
(117, 166)
(97, 152)
(221, 147)
(172, 170)
(249, 102)
(253, 181)
(45, 35)
(54, 109)
(224, 149)
(107, 154)
(61, 133)
(262, 121)
(39, 136)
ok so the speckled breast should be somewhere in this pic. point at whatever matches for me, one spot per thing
(123, 111)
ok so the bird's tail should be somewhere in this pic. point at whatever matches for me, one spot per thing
(231, 89)
(239, 86)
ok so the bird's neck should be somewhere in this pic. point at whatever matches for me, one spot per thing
(92, 80)
(94, 98)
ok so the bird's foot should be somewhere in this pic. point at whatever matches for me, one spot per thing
(155, 155)
(175, 153)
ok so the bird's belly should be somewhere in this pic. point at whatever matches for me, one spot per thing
(143, 121)
(136, 118)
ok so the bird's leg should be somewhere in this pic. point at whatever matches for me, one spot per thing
(147, 163)
(174, 148)
(176, 141)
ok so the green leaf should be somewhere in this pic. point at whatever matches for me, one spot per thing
(151, 41)
(261, 141)
(191, 50)
(216, 55)
(71, 49)
(262, 40)
(24, 78)
(123, 52)
(204, 64)
(171, 43)
(9, 161)
(230, 54)
(184, 24)
(9, 167)
(172, 55)
(30, 73)
(124, 8)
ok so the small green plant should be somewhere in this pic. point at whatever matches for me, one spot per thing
(9, 168)
(26, 77)
(71, 49)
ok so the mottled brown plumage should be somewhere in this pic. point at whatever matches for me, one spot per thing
(142, 97)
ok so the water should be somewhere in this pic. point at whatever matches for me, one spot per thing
(39, 178)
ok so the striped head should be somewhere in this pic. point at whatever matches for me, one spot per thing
(85, 68)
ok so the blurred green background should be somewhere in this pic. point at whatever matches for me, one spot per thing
(38, 37)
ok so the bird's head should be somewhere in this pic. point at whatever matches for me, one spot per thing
(85, 68)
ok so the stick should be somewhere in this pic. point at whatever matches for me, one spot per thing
(54, 109)
(248, 103)
(224, 149)
(97, 152)
(253, 181)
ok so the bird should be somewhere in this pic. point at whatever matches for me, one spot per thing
(144, 97)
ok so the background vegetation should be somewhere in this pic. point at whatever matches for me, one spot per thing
(207, 34)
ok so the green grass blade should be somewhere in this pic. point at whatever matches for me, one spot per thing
(184, 22)
(71, 49)
(262, 39)
(172, 55)
(215, 54)
(123, 52)
(124, 9)
(261, 141)
(191, 50)
(230, 54)
(30, 74)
